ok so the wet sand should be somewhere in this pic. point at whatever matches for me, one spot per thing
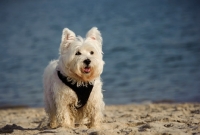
(142, 119)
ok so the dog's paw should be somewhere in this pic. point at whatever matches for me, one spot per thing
(65, 125)
(93, 125)
(53, 125)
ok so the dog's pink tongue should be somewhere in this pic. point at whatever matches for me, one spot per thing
(87, 70)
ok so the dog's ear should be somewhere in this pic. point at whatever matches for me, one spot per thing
(68, 36)
(94, 34)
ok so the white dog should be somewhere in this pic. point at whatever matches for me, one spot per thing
(72, 84)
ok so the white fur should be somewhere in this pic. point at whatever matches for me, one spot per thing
(60, 100)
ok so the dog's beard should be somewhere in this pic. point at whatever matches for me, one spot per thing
(85, 73)
(86, 70)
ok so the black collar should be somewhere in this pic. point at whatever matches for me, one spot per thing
(82, 92)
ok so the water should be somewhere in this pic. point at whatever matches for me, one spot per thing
(151, 48)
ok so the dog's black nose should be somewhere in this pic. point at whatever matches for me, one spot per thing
(87, 61)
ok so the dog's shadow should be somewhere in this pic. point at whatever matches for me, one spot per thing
(10, 128)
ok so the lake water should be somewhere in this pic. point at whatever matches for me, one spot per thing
(151, 48)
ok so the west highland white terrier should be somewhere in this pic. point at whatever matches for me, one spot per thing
(72, 84)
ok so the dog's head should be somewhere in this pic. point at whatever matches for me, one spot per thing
(81, 59)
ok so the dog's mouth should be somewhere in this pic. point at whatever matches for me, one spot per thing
(86, 70)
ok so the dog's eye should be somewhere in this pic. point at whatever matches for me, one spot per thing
(78, 53)
(91, 52)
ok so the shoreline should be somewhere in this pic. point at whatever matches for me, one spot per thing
(164, 101)
(139, 119)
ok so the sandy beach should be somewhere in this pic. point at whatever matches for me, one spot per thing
(134, 119)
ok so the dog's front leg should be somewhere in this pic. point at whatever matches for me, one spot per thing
(52, 119)
(64, 116)
(95, 116)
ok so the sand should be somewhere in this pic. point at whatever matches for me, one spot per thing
(143, 119)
